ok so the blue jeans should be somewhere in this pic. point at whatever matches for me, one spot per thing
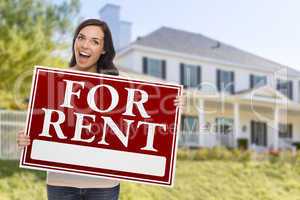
(71, 193)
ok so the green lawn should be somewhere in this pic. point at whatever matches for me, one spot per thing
(194, 180)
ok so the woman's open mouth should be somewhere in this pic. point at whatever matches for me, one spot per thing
(83, 57)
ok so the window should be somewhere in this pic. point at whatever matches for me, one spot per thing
(257, 81)
(154, 67)
(189, 124)
(225, 81)
(286, 131)
(190, 75)
(285, 87)
(224, 125)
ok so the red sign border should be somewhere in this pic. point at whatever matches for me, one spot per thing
(24, 164)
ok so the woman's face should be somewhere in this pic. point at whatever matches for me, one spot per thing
(88, 47)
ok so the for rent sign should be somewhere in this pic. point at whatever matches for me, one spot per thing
(102, 125)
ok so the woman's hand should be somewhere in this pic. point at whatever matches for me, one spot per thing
(22, 139)
(179, 102)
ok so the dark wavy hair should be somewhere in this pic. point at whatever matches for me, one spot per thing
(105, 63)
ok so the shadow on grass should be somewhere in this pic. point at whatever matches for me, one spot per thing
(10, 167)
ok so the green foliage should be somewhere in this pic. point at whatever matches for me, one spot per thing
(297, 145)
(16, 183)
(224, 154)
(195, 180)
(29, 35)
(184, 154)
(216, 153)
(242, 143)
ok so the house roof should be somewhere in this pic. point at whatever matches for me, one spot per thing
(262, 91)
(125, 72)
(180, 41)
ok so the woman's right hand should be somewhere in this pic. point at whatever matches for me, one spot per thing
(22, 139)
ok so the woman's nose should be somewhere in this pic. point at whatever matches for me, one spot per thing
(85, 44)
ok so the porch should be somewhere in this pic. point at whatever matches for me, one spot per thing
(210, 140)
(262, 119)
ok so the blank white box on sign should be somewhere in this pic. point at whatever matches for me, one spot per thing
(98, 158)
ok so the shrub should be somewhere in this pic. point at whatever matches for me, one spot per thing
(216, 153)
(224, 154)
(201, 154)
(297, 145)
(219, 153)
(242, 143)
(183, 154)
(241, 155)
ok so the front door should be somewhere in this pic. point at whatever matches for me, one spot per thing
(224, 129)
(259, 133)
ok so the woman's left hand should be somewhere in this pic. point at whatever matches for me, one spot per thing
(179, 102)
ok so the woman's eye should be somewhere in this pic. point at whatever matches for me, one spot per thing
(95, 42)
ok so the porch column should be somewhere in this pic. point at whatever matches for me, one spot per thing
(201, 116)
(236, 111)
(275, 128)
(201, 120)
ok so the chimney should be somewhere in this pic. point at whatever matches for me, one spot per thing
(121, 30)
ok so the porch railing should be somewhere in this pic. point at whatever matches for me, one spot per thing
(286, 144)
(10, 123)
(206, 139)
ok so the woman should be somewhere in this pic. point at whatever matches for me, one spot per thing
(92, 51)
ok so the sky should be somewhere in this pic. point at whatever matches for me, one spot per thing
(267, 28)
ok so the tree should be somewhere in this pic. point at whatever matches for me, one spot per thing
(29, 31)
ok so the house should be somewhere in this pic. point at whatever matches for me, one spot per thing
(234, 98)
